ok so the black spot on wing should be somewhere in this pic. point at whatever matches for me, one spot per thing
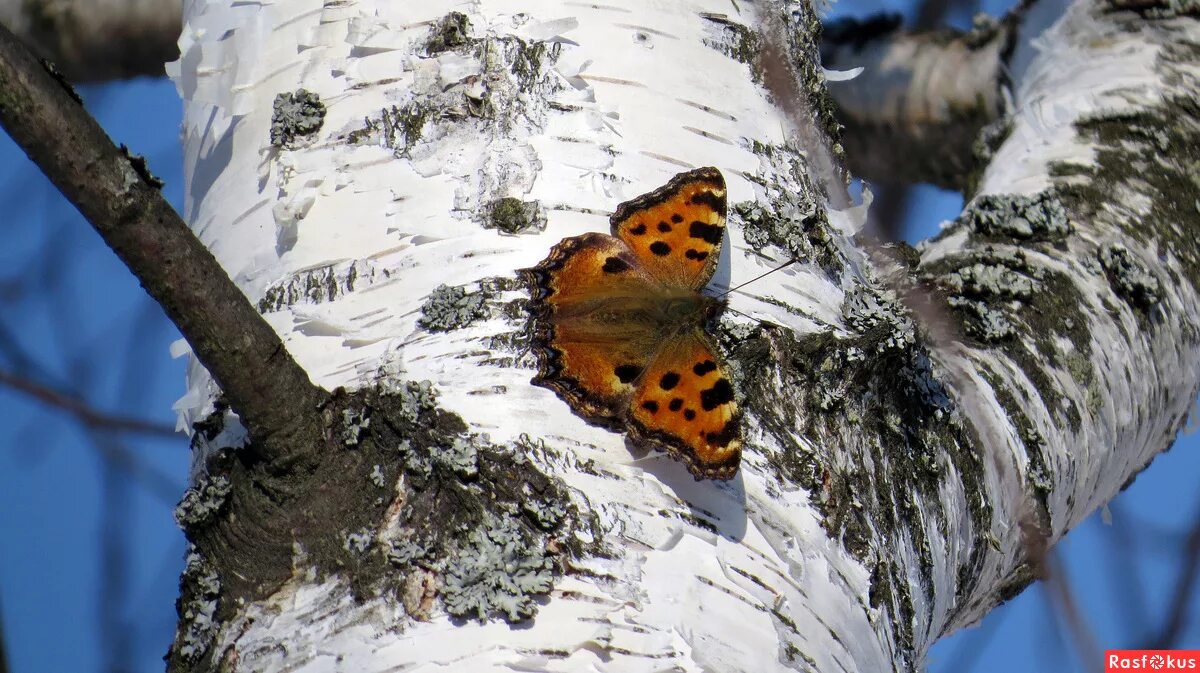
(669, 381)
(651, 406)
(627, 373)
(720, 393)
(615, 265)
(709, 232)
(638, 230)
(702, 368)
(677, 218)
(664, 227)
(676, 404)
(689, 414)
(711, 200)
(725, 435)
(697, 255)
(659, 248)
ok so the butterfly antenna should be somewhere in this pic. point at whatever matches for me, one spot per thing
(758, 277)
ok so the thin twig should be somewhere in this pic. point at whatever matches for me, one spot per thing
(82, 411)
(1185, 585)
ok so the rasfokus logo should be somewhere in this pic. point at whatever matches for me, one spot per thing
(1151, 660)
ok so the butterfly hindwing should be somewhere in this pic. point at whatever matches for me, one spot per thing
(684, 402)
(676, 230)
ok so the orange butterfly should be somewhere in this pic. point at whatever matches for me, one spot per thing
(619, 325)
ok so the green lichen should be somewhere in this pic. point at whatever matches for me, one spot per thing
(452, 307)
(296, 115)
(500, 571)
(514, 216)
(408, 552)
(450, 32)
(398, 128)
(987, 290)
(881, 317)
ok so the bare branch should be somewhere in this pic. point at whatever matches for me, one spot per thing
(119, 197)
(921, 100)
(98, 40)
(86, 414)
(1185, 585)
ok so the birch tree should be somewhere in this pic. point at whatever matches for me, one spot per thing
(919, 425)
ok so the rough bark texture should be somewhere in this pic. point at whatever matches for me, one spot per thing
(896, 480)
(98, 40)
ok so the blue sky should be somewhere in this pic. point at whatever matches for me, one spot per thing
(90, 555)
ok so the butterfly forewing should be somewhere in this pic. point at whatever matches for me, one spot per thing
(684, 402)
(676, 230)
(618, 325)
(593, 346)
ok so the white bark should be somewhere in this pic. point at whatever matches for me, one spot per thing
(738, 576)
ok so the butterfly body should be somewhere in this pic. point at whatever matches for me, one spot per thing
(619, 325)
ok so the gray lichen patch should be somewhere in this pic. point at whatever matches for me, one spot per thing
(415, 507)
(354, 423)
(296, 115)
(450, 32)
(397, 128)
(1129, 277)
(990, 290)
(841, 391)
(202, 502)
(200, 591)
(500, 570)
(790, 216)
(321, 284)
(514, 216)
(880, 318)
(1008, 217)
(453, 307)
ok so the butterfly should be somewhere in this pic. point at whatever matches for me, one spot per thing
(619, 325)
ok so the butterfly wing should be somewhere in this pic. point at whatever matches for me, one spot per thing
(684, 403)
(591, 339)
(676, 230)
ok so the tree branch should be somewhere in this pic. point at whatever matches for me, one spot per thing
(97, 40)
(921, 99)
(120, 198)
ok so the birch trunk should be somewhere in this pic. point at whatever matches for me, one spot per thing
(897, 481)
